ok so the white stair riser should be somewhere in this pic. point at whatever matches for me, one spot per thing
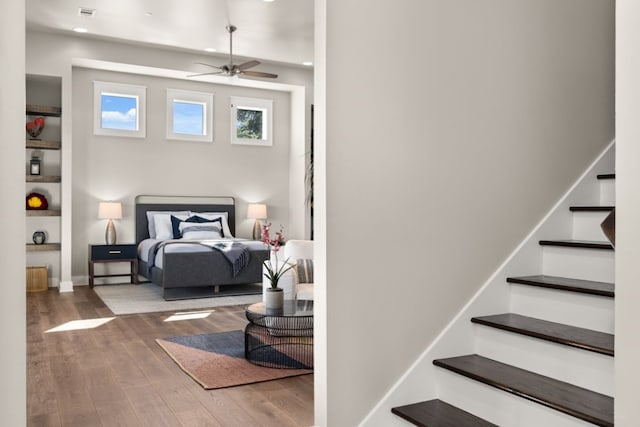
(578, 263)
(571, 308)
(586, 225)
(608, 192)
(583, 368)
(497, 406)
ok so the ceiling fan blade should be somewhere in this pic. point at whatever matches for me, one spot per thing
(248, 64)
(208, 65)
(258, 74)
(205, 74)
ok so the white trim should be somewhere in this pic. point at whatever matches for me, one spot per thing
(253, 104)
(462, 314)
(122, 90)
(188, 96)
(65, 286)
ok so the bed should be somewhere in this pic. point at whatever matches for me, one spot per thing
(186, 246)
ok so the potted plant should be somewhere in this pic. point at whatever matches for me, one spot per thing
(274, 299)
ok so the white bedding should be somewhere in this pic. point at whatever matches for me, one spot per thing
(184, 246)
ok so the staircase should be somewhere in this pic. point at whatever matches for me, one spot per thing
(548, 361)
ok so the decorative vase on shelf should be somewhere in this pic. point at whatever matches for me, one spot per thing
(39, 237)
(274, 299)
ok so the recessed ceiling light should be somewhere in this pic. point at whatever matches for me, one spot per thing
(268, 1)
(209, 49)
(80, 30)
(148, 13)
(307, 63)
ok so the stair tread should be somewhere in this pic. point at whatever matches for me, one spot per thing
(586, 339)
(586, 244)
(436, 413)
(607, 176)
(579, 402)
(567, 284)
(591, 208)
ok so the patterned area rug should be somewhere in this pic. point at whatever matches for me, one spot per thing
(147, 298)
(217, 360)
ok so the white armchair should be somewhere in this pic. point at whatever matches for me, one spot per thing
(293, 251)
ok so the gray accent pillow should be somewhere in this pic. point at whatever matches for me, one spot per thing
(304, 270)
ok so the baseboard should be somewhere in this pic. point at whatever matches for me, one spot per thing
(65, 286)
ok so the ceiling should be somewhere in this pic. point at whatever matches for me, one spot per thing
(279, 30)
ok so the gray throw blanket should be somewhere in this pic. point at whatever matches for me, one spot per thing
(236, 253)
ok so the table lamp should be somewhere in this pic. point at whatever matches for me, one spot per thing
(257, 211)
(110, 211)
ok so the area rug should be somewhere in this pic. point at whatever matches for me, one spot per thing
(217, 360)
(147, 298)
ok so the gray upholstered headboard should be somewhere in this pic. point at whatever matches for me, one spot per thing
(146, 203)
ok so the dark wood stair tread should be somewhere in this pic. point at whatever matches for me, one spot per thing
(585, 244)
(607, 176)
(566, 284)
(567, 398)
(586, 339)
(591, 208)
(436, 413)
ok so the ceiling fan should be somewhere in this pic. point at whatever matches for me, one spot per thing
(232, 69)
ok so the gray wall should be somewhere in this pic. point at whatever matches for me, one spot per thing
(113, 168)
(13, 387)
(458, 124)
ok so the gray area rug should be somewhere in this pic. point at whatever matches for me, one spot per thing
(147, 298)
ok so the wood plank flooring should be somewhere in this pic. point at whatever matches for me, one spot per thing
(116, 374)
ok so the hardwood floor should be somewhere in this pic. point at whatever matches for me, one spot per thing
(116, 374)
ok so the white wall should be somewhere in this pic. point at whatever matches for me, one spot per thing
(114, 168)
(13, 319)
(457, 124)
(627, 378)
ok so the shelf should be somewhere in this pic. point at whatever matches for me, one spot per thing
(43, 110)
(42, 178)
(43, 212)
(32, 247)
(43, 145)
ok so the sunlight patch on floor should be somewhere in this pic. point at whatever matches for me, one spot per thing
(75, 325)
(189, 315)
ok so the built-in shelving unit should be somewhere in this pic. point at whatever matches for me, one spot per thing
(43, 100)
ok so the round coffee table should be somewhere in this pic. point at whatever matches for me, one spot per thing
(279, 339)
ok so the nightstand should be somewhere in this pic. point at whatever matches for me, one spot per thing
(113, 253)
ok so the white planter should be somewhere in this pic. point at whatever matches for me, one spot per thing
(274, 299)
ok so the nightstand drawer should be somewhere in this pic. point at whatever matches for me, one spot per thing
(106, 252)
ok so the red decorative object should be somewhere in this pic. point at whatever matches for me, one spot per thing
(37, 201)
(35, 127)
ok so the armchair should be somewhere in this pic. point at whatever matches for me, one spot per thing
(295, 251)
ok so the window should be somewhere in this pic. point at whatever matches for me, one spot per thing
(119, 109)
(189, 115)
(251, 121)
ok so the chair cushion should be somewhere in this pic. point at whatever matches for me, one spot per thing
(304, 270)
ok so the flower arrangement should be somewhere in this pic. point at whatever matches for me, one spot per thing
(274, 273)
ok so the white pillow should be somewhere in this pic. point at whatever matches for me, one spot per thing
(151, 220)
(163, 226)
(200, 230)
(226, 231)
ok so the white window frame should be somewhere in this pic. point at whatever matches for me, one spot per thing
(186, 96)
(124, 90)
(265, 105)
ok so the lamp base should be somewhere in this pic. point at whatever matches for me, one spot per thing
(257, 232)
(110, 233)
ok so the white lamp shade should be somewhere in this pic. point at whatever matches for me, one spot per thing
(257, 211)
(110, 210)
